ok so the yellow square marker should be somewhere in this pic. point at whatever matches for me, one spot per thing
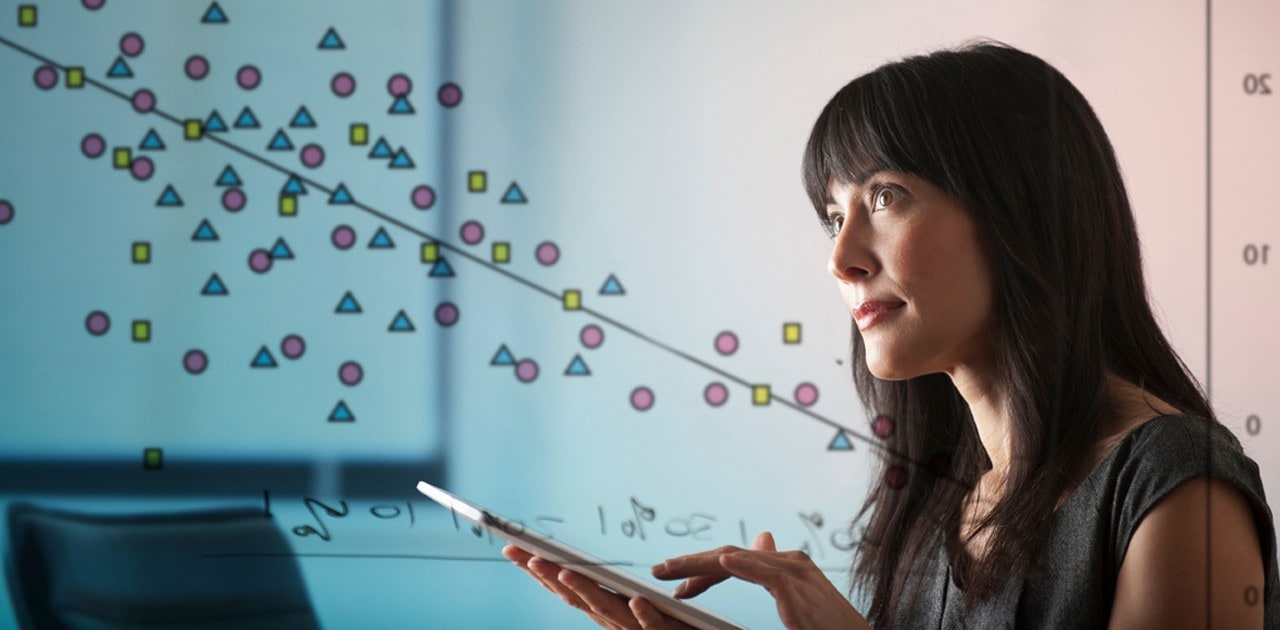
(141, 252)
(572, 300)
(141, 330)
(760, 395)
(75, 77)
(27, 15)
(477, 181)
(288, 206)
(122, 157)
(359, 133)
(502, 252)
(791, 332)
(192, 129)
(152, 458)
(430, 252)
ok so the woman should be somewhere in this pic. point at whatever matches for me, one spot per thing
(1052, 463)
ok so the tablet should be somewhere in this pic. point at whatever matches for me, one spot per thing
(593, 568)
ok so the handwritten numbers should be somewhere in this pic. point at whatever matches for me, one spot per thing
(1256, 254)
(1253, 424)
(1257, 84)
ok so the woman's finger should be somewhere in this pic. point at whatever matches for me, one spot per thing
(605, 605)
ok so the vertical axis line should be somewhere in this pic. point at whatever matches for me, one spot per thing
(1208, 293)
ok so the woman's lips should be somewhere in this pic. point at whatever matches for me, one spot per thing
(869, 314)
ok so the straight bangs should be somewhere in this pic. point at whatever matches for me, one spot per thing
(860, 132)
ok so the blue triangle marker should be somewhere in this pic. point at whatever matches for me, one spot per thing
(264, 359)
(401, 160)
(381, 240)
(169, 197)
(293, 187)
(401, 323)
(214, 286)
(302, 118)
(514, 194)
(246, 119)
(381, 149)
(215, 122)
(348, 304)
(577, 367)
(441, 269)
(214, 15)
(152, 142)
(281, 251)
(331, 41)
(401, 106)
(229, 178)
(503, 357)
(341, 413)
(840, 443)
(280, 142)
(205, 232)
(611, 286)
(120, 70)
(340, 195)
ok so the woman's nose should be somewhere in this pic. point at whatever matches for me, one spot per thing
(850, 261)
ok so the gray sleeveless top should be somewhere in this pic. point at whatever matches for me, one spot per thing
(1074, 583)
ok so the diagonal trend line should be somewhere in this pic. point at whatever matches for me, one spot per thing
(873, 443)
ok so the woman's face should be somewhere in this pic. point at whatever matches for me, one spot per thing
(910, 267)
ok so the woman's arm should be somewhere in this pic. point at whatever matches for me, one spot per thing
(1191, 562)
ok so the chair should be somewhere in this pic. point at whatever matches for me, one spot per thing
(226, 568)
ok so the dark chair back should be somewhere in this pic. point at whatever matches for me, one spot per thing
(226, 568)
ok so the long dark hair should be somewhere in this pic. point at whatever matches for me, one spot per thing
(1018, 144)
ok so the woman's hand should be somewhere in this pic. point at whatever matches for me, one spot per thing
(606, 608)
(804, 596)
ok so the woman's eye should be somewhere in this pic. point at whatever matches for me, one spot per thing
(835, 224)
(883, 198)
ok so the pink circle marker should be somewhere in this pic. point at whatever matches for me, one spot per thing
(592, 336)
(97, 323)
(292, 346)
(248, 77)
(195, 361)
(423, 197)
(312, 155)
(343, 84)
(233, 200)
(896, 476)
(196, 67)
(93, 5)
(399, 85)
(93, 145)
(547, 253)
(6, 212)
(806, 394)
(447, 314)
(472, 232)
(142, 168)
(716, 394)
(726, 343)
(350, 373)
(449, 94)
(642, 398)
(343, 237)
(882, 426)
(46, 77)
(260, 261)
(143, 101)
(131, 44)
(526, 370)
